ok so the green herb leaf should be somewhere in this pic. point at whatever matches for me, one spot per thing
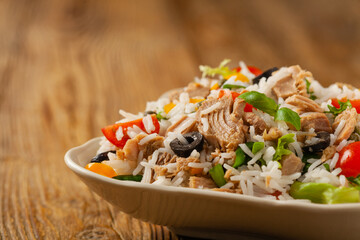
(311, 93)
(260, 101)
(231, 86)
(160, 116)
(343, 107)
(354, 180)
(289, 116)
(307, 156)
(283, 143)
(250, 145)
(268, 105)
(136, 178)
(261, 162)
(327, 167)
(257, 146)
(221, 69)
(240, 158)
(217, 174)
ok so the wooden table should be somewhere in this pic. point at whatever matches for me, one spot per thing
(67, 66)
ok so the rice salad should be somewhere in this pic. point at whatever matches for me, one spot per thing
(276, 134)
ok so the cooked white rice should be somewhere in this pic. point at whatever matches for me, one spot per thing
(260, 176)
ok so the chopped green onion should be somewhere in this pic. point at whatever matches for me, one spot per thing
(262, 162)
(311, 93)
(231, 86)
(306, 157)
(240, 158)
(354, 180)
(250, 145)
(159, 116)
(327, 167)
(136, 178)
(257, 146)
(217, 174)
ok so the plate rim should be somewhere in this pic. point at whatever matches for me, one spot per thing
(76, 168)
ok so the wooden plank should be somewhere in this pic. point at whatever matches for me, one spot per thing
(322, 36)
(66, 67)
(65, 73)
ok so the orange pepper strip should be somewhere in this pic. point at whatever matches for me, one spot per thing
(102, 169)
(168, 107)
(215, 86)
(196, 100)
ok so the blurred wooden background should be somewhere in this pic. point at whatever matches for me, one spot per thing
(67, 66)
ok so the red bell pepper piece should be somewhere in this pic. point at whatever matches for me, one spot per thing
(254, 70)
(248, 107)
(355, 103)
(110, 131)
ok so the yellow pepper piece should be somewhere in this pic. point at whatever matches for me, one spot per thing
(196, 100)
(102, 169)
(215, 86)
(239, 77)
(168, 107)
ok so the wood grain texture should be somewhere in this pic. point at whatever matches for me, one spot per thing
(67, 66)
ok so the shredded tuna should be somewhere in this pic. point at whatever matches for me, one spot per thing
(225, 130)
(182, 165)
(350, 116)
(227, 190)
(291, 164)
(238, 108)
(318, 121)
(132, 147)
(303, 104)
(252, 119)
(228, 174)
(342, 85)
(292, 83)
(160, 171)
(328, 153)
(165, 158)
(201, 182)
(272, 134)
(184, 125)
(193, 89)
(197, 90)
(149, 147)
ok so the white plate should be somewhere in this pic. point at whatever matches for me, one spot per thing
(197, 212)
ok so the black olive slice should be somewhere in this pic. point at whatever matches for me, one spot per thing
(265, 74)
(101, 157)
(323, 143)
(195, 141)
(149, 113)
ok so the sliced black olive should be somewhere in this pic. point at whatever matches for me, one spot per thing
(265, 74)
(195, 141)
(324, 142)
(101, 157)
(149, 113)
